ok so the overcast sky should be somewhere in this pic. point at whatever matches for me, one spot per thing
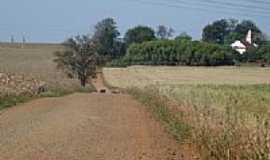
(55, 20)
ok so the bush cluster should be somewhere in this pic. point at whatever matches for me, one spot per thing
(259, 55)
(176, 52)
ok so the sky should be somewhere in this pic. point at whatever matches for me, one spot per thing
(53, 21)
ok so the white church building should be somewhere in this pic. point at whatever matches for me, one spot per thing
(242, 47)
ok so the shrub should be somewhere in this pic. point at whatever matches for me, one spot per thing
(177, 52)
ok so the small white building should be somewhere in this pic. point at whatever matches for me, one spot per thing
(242, 47)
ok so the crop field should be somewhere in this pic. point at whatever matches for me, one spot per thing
(140, 76)
(222, 111)
(36, 61)
(218, 86)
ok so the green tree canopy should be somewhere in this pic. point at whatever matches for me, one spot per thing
(105, 38)
(173, 52)
(218, 31)
(226, 31)
(139, 34)
(242, 29)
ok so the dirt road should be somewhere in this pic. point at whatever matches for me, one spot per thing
(83, 127)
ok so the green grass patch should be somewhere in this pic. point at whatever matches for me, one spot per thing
(9, 101)
(12, 100)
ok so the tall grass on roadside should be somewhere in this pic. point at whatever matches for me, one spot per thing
(230, 135)
(158, 106)
(219, 133)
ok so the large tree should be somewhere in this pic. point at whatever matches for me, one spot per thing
(227, 31)
(78, 60)
(164, 32)
(242, 29)
(105, 38)
(139, 34)
(218, 31)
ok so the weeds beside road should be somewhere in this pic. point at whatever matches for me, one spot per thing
(28, 72)
(222, 112)
(215, 134)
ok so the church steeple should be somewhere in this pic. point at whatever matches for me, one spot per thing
(249, 37)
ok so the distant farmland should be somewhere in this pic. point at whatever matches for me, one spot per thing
(218, 109)
(141, 76)
(34, 60)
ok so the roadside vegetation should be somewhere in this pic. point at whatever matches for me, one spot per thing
(28, 72)
(215, 133)
(222, 111)
(78, 60)
(221, 118)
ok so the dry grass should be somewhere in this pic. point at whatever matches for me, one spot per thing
(226, 108)
(141, 76)
(35, 60)
(215, 134)
(244, 88)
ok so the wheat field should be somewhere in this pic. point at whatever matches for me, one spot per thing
(245, 88)
(222, 111)
(141, 76)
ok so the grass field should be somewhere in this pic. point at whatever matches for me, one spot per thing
(141, 76)
(29, 65)
(223, 111)
(219, 86)
(35, 60)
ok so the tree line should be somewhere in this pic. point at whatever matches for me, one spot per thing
(144, 45)
(176, 52)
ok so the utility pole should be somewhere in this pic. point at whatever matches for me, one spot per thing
(12, 39)
(23, 41)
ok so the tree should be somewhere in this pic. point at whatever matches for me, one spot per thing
(164, 32)
(231, 38)
(227, 31)
(105, 38)
(218, 31)
(183, 36)
(242, 29)
(173, 52)
(139, 34)
(78, 60)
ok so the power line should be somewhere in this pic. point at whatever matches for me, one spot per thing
(198, 8)
(219, 5)
(228, 5)
(257, 1)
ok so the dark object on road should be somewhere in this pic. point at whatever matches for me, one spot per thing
(102, 91)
